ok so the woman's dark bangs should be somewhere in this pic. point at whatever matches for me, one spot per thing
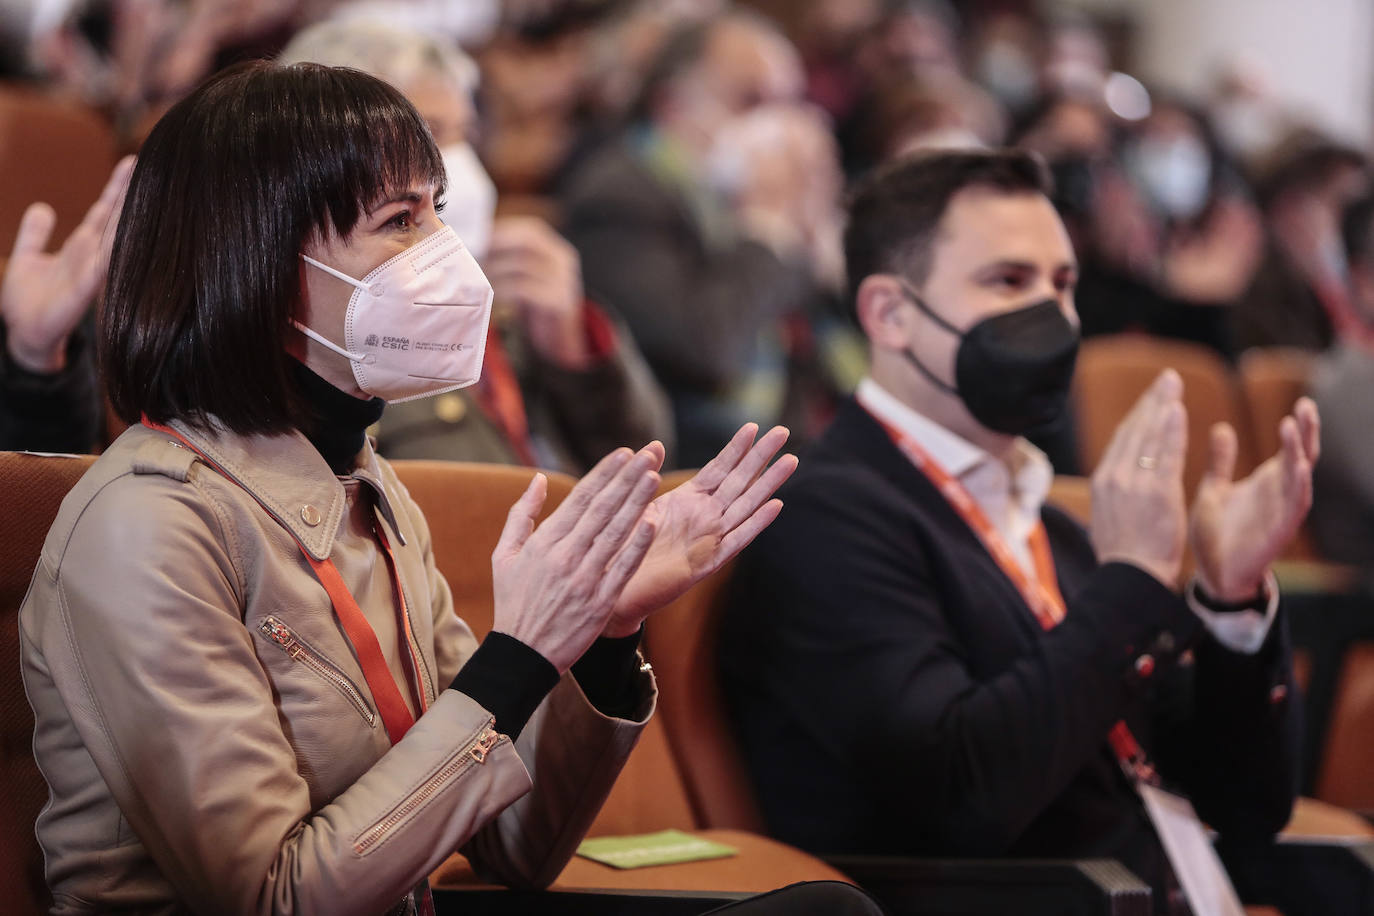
(371, 145)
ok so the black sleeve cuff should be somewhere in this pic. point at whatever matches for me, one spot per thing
(608, 673)
(509, 680)
(1260, 602)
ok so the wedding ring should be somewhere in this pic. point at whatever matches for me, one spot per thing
(1146, 462)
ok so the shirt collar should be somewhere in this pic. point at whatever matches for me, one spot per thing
(1030, 475)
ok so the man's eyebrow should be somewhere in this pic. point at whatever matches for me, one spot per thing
(1030, 266)
(1006, 264)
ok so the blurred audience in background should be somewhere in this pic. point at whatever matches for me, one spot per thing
(1342, 517)
(1300, 297)
(710, 221)
(682, 164)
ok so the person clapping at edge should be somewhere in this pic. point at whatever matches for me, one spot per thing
(49, 401)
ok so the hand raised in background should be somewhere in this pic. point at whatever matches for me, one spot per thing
(538, 272)
(44, 296)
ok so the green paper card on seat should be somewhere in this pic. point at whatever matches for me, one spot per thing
(667, 847)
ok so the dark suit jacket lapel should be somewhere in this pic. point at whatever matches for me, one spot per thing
(856, 431)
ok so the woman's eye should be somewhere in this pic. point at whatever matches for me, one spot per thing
(400, 220)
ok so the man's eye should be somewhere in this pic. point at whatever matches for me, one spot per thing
(400, 220)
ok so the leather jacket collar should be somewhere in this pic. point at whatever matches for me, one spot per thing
(291, 480)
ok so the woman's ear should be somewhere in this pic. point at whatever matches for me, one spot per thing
(881, 306)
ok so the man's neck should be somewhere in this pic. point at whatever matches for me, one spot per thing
(945, 409)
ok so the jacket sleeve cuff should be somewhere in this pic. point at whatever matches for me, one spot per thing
(508, 679)
(1242, 629)
(608, 673)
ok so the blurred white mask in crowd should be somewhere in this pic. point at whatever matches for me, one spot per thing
(1175, 173)
(1249, 127)
(763, 141)
(417, 324)
(470, 201)
(1007, 70)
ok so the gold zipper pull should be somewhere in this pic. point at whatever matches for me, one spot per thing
(484, 744)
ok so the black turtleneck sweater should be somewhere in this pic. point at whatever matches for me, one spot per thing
(505, 676)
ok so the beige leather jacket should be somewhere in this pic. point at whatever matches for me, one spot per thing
(207, 735)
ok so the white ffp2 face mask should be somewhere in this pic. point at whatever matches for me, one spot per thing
(417, 324)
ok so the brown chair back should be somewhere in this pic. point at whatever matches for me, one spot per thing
(1271, 381)
(34, 487)
(1347, 772)
(681, 643)
(1073, 495)
(466, 506)
(52, 151)
(1114, 371)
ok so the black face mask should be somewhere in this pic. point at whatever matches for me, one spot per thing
(1012, 370)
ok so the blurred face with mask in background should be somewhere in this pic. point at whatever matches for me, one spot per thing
(1307, 196)
(743, 64)
(1170, 161)
(736, 115)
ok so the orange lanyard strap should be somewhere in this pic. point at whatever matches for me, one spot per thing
(499, 397)
(396, 715)
(402, 618)
(1043, 596)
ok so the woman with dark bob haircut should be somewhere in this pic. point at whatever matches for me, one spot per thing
(252, 694)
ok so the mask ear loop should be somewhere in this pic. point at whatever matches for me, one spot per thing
(317, 336)
(326, 342)
(341, 275)
(920, 303)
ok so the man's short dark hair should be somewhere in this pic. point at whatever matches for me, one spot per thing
(895, 212)
(230, 184)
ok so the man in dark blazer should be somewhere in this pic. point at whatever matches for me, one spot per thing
(922, 658)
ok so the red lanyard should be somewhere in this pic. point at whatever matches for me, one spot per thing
(396, 715)
(498, 394)
(1043, 596)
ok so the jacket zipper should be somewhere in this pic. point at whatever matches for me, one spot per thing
(422, 675)
(473, 754)
(281, 634)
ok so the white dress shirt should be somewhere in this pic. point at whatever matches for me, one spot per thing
(1012, 494)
